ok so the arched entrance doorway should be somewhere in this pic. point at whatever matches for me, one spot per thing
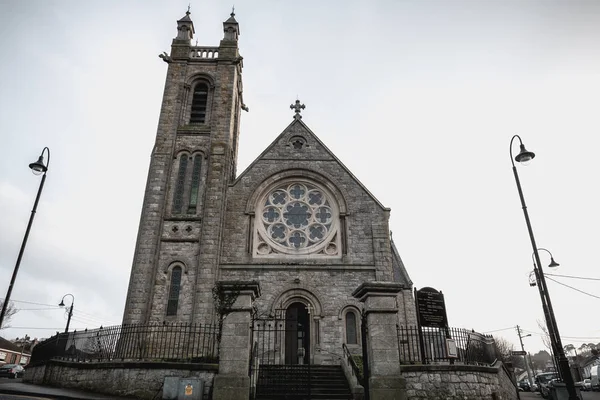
(297, 334)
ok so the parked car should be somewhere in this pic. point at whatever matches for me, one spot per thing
(594, 378)
(11, 370)
(542, 381)
(587, 385)
(524, 386)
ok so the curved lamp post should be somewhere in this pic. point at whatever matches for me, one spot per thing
(545, 296)
(62, 304)
(563, 363)
(38, 167)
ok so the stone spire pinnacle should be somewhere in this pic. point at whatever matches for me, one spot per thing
(231, 27)
(185, 27)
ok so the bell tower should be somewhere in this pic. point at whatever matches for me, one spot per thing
(193, 160)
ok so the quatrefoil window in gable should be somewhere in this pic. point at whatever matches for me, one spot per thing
(297, 143)
(297, 218)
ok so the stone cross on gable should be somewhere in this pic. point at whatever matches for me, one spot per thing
(297, 107)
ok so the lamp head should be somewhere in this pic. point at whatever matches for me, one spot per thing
(62, 303)
(532, 280)
(38, 167)
(553, 264)
(524, 155)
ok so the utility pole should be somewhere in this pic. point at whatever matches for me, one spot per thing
(525, 356)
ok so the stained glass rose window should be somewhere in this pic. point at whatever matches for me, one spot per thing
(297, 218)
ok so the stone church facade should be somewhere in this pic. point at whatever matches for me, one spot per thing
(297, 221)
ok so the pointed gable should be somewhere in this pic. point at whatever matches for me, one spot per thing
(297, 143)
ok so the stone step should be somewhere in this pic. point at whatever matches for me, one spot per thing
(292, 381)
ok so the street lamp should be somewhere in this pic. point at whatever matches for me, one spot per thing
(62, 304)
(38, 167)
(529, 375)
(563, 363)
(543, 289)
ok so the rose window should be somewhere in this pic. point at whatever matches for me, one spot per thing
(297, 218)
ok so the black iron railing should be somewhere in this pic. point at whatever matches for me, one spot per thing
(445, 345)
(357, 370)
(150, 342)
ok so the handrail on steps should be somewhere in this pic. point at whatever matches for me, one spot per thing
(350, 360)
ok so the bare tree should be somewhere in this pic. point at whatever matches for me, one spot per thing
(504, 352)
(10, 311)
(503, 348)
(545, 336)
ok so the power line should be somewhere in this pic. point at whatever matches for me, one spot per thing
(92, 316)
(86, 321)
(498, 330)
(33, 327)
(56, 307)
(31, 302)
(36, 309)
(573, 277)
(571, 287)
(94, 320)
(566, 337)
(534, 333)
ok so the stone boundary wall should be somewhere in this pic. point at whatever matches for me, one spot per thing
(142, 380)
(454, 382)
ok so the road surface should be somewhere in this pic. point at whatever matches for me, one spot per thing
(536, 396)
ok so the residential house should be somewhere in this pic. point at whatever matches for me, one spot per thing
(587, 365)
(10, 353)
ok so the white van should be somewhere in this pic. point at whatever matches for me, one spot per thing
(594, 376)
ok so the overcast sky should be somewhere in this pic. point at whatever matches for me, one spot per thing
(418, 98)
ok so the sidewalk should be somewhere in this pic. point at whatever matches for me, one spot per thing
(20, 388)
(530, 395)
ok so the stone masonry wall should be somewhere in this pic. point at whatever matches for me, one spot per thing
(445, 382)
(139, 380)
(407, 312)
(506, 384)
(329, 282)
(332, 289)
(313, 162)
(144, 260)
(191, 238)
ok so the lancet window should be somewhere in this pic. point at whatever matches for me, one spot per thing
(174, 289)
(195, 189)
(351, 328)
(180, 184)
